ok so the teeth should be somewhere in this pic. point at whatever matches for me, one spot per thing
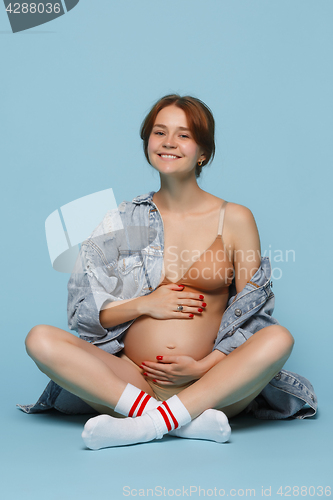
(168, 156)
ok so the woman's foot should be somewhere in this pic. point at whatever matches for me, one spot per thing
(211, 425)
(106, 431)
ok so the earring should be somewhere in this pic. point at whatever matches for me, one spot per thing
(200, 162)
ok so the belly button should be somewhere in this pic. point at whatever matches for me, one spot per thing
(170, 346)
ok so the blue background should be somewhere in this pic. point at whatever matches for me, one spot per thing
(73, 95)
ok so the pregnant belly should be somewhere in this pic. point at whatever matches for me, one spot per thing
(147, 337)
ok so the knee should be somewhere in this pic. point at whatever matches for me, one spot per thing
(282, 341)
(36, 342)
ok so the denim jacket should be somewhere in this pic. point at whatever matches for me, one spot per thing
(123, 259)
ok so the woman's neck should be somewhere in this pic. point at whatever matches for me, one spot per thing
(179, 197)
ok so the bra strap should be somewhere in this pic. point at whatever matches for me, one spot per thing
(224, 204)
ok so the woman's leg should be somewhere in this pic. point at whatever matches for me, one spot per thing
(234, 382)
(230, 385)
(97, 377)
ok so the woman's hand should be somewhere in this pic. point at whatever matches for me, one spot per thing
(172, 370)
(163, 303)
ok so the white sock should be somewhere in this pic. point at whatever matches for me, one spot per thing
(211, 425)
(133, 402)
(105, 431)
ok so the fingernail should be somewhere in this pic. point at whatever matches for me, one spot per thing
(159, 357)
(204, 304)
(154, 380)
(142, 368)
(145, 374)
(200, 310)
(201, 297)
(191, 315)
(143, 363)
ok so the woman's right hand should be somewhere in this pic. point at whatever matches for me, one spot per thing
(163, 303)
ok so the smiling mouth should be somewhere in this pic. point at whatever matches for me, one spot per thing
(168, 157)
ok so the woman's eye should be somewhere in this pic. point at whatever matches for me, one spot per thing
(184, 135)
(159, 133)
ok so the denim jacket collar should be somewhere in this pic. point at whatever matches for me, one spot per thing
(148, 197)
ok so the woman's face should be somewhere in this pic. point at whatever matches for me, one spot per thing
(171, 147)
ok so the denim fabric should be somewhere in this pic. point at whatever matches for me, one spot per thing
(123, 259)
(58, 398)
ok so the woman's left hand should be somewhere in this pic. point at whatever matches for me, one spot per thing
(172, 370)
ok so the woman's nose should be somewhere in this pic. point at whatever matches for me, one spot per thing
(169, 144)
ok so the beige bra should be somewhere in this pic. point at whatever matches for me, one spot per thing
(213, 269)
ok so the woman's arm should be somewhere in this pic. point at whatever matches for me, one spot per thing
(116, 313)
(159, 304)
(246, 244)
(209, 361)
(93, 307)
(248, 262)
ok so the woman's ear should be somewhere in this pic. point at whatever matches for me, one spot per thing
(202, 158)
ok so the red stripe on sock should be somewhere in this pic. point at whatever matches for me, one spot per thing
(136, 402)
(165, 416)
(143, 405)
(171, 414)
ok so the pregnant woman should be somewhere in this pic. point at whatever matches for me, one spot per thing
(153, 290)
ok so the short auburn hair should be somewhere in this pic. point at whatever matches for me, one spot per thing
(200, 122)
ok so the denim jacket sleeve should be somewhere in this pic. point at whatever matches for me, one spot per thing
(91, 284)
(95, 281)
(248, 311)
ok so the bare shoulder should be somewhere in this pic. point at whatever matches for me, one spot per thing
(235, 214)
(241, 231)
(237, 217)
(238, 214)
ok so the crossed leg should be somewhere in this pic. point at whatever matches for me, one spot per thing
(236, 380)
(230, 386)
(100, 378)
(97, 377)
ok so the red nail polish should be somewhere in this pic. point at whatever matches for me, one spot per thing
(191, 315)
(142, 368)
(146, 374)
(143, 363)
(204, 304)
(200, 310)
(201, 297)
(154, 380)
(159, 358)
